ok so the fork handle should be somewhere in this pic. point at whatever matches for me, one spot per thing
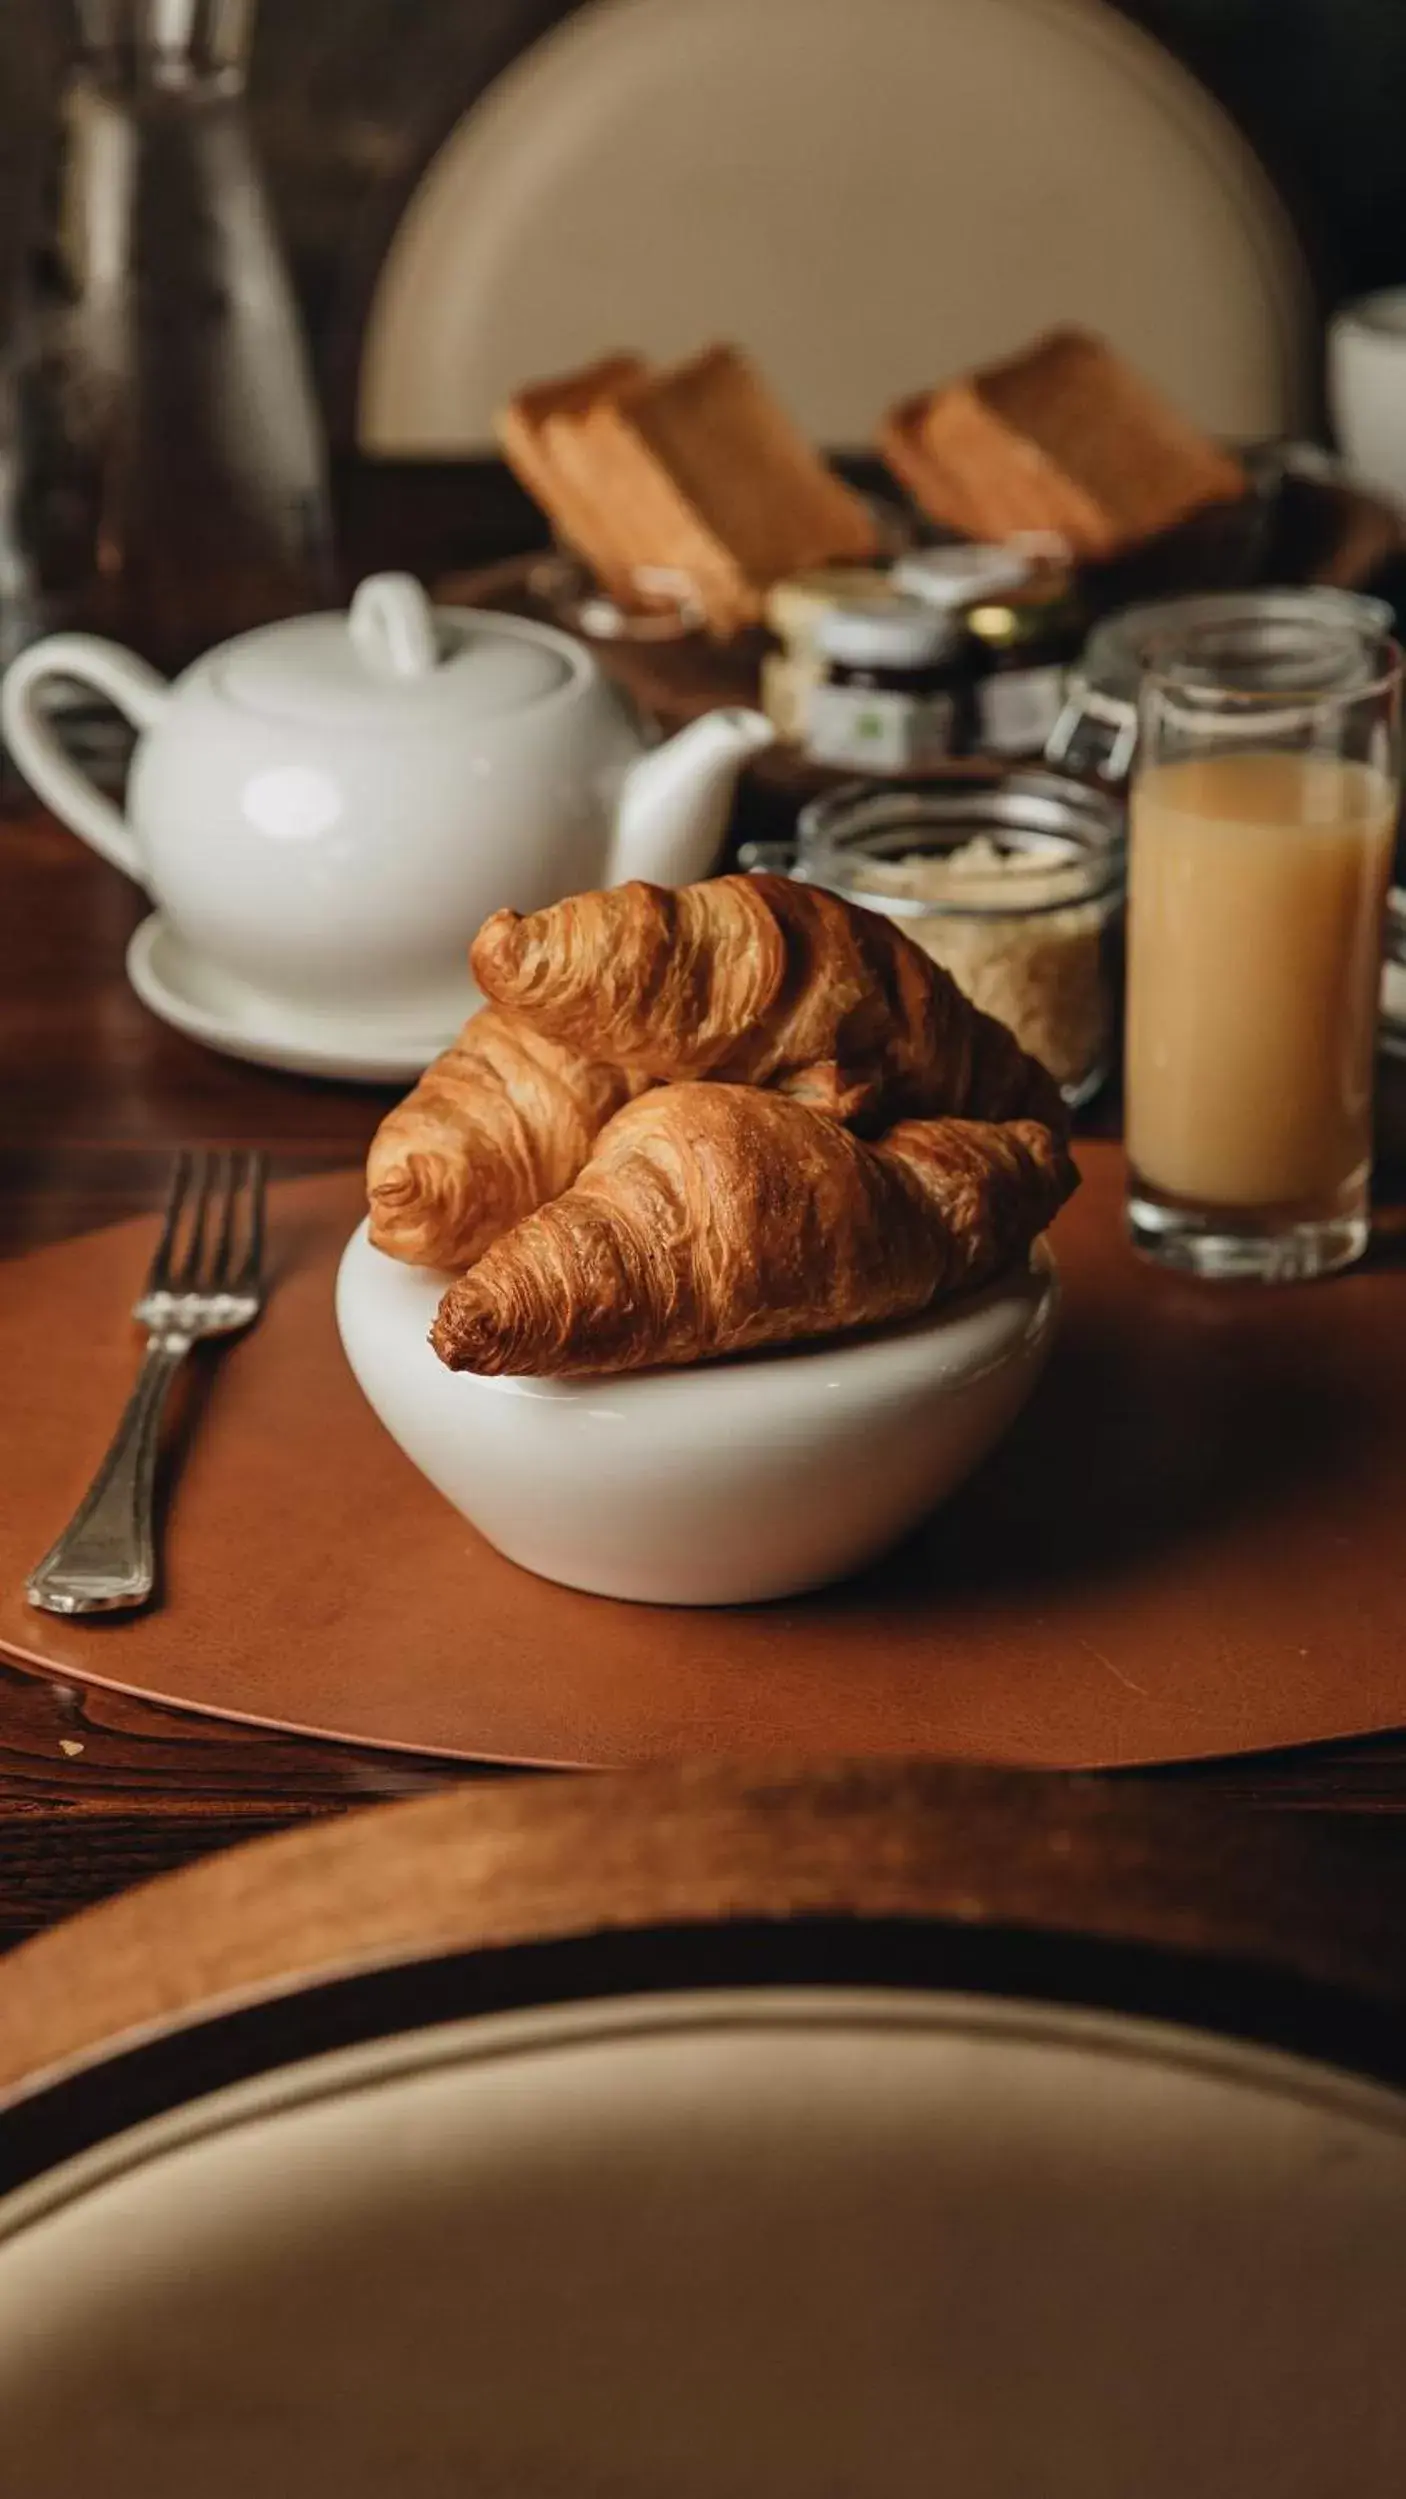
(105, 1558)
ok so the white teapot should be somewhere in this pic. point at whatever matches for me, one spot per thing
(325, 810)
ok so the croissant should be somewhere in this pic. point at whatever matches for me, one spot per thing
(501, 1122)
(762, 980)
(712, 1219)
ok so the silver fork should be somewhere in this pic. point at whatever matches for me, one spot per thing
(206, 1279)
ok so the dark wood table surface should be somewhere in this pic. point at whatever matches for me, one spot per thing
(97, 1791)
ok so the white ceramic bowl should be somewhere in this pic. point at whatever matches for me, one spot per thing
(723, 1485)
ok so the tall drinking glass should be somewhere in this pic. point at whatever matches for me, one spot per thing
(1263, 818)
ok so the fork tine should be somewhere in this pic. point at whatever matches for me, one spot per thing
(187, 1275)
(229, 1177)
(250, 1276)
(159, 1273)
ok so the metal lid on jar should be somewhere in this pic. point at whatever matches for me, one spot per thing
(1118, 651)
(965, 576)
(796, 606)
(891, 632)
(1098, 728)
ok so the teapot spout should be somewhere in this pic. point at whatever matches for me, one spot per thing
(676, 801)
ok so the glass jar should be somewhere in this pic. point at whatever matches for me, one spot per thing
(1098, 727)
(893, 680)
(1024, 625)
(795, 609)
(1012, 880)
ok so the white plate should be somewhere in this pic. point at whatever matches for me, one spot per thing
(960, 173)
(207, 1006)
(775, 2245)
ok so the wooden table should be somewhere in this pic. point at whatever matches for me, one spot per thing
(96, 1791)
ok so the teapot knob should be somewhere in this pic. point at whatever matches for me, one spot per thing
(392, 626)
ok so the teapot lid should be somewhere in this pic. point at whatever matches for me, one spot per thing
(393, 656)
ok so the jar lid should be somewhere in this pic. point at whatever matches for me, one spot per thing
(796, 606)
(950, 577)
(886, 633)
(1117, 652)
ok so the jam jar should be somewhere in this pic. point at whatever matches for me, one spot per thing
(892, 688)
(795, 609)
(1023, 622)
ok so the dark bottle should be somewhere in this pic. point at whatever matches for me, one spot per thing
(172, 475)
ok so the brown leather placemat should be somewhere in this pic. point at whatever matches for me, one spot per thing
(1191, 1544)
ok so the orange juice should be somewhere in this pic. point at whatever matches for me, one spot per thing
(1257, 883)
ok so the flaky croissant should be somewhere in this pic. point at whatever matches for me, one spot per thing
(501, 1122)
(761, 980)
(715, 1218)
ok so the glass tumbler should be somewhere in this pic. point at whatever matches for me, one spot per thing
(1263, 818)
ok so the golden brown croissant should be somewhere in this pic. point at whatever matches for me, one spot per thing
(761, 980)
(501, 1122)
(715, 1218)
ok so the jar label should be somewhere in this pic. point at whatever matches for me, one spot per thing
(878, 732)
(1018, 711)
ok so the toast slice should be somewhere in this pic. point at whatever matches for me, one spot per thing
(1064, 436)
(933, 488)
(706, 475)
(524, 432)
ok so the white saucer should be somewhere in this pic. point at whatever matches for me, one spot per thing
(207, 1006)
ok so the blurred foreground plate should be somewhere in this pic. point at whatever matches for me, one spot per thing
(881, 2130)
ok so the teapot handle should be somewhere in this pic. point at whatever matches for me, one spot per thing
(28, 732)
